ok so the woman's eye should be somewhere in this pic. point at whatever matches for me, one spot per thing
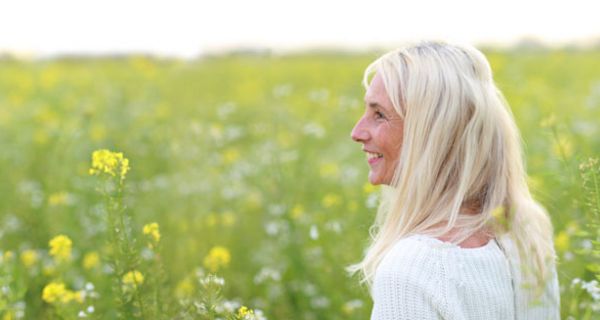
(379, 115)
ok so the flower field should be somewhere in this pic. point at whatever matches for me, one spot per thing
(228, 187)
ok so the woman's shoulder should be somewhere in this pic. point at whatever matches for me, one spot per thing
(412, 267)
(413, 254)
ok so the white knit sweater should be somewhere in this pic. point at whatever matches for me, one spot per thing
(425, 278)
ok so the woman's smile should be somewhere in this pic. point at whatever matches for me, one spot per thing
(373, 158)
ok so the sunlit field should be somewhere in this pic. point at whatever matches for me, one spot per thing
(229, 187)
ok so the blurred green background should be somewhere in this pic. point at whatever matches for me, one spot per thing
(250, 153)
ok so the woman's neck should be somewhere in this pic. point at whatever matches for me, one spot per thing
(478, 239)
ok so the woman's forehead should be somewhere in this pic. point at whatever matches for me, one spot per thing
(376, 94)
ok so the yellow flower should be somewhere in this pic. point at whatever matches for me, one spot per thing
(60, 247)
(112, 163)
(254, 200)
(133, 278)
(331, 200)
(297, 211)
(58, 198)
(329, 170)
(230, 156)
(29, 258)
(369, 188)
(350, 306)
(91, 260)
(245, 313)
(217, 258)
(499, 215)
(185, 288)
(563, 147)
(562, 241)
(78, 296)
(53, 292)
(49, 270)
(228, 218)
(152, 230)
(347, 309)
(549, 121)
(8, 255)
(212, 219)
(56, 292)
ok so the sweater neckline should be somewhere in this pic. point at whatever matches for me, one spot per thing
(444, 244)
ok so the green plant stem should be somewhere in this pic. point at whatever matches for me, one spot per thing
(596, 192)
(127, 248)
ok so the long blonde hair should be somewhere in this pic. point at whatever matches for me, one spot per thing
(460, 147)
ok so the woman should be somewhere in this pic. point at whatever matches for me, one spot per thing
(457, 234)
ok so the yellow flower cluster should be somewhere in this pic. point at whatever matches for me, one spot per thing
(133, 279)
(153, 231)
(217, 258)
(244, 313)
(60, 248)
(56, 292)
(112, 163)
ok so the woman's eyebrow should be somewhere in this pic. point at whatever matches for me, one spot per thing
(373, 105)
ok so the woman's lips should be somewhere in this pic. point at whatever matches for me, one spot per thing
(373, 160)
(373, 157)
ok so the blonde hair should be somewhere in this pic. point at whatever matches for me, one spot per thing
(460, 147)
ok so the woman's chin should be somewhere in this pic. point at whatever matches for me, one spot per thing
(374, 179)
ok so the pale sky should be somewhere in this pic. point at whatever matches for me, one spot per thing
(188, 28)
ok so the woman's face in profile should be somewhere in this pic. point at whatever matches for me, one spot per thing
(379, 130)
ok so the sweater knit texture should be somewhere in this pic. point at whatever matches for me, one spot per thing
(424, 278)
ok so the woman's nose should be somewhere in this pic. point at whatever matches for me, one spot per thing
(359, 132)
